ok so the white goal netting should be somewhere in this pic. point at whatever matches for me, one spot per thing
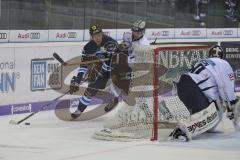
(152, 104)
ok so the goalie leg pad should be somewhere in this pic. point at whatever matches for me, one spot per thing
(199, 123)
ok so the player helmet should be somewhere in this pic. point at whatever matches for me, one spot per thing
(94, 29)
(138, 26)
(216, 51)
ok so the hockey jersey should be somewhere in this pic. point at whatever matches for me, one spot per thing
(142, 41)
(215, 78)
(91, 48)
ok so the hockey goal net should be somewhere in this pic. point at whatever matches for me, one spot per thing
(152, 107)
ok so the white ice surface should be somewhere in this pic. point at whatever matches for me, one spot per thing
(48, 138)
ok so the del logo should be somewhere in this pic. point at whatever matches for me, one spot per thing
(45, 73)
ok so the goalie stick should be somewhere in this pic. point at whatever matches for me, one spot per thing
(59, 59)
(41, 109)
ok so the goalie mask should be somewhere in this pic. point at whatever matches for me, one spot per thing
(216, 51)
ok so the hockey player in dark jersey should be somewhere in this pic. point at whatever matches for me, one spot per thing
(96, 47)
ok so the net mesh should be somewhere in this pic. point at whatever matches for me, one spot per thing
(138, 117)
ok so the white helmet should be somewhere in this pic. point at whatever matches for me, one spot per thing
(139, 26)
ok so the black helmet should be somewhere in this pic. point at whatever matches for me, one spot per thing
(139, 26)
(94, 29)
(216, 51)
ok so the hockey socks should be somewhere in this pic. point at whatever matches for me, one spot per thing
(83, 103)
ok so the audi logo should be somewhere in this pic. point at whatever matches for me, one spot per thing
(227, 32)
(196, 33)
(35, 35)
(72, 35)
(3, 35)
(165, 33)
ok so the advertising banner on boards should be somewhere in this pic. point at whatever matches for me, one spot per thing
(232, 55)
(65, 35)
(4, 35)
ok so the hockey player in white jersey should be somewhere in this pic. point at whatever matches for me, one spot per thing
(137, 38)
(207, 91)
(138, 33)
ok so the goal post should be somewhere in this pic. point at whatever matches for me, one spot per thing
(155, 98)
(155, 68)
(157, 51)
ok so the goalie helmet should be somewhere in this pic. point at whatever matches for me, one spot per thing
(94, 29)
(216, 51)
(138, 26)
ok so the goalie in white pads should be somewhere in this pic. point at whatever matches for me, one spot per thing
(207, 91)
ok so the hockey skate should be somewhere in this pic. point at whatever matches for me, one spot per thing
(180, 133)
(76, 114)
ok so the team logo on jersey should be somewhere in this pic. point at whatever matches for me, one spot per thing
(231, 76)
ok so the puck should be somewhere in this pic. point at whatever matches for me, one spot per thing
(27, 123)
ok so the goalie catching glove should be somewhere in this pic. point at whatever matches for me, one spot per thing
(233, 112)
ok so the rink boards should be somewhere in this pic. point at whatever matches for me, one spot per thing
(25, 69)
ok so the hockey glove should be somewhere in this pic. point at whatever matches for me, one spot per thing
(235, 107)
(75, 81)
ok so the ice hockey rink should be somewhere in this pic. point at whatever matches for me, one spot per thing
(52, 139)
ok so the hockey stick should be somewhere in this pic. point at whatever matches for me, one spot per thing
(154, 42)
(41, 109)
(59, 59)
